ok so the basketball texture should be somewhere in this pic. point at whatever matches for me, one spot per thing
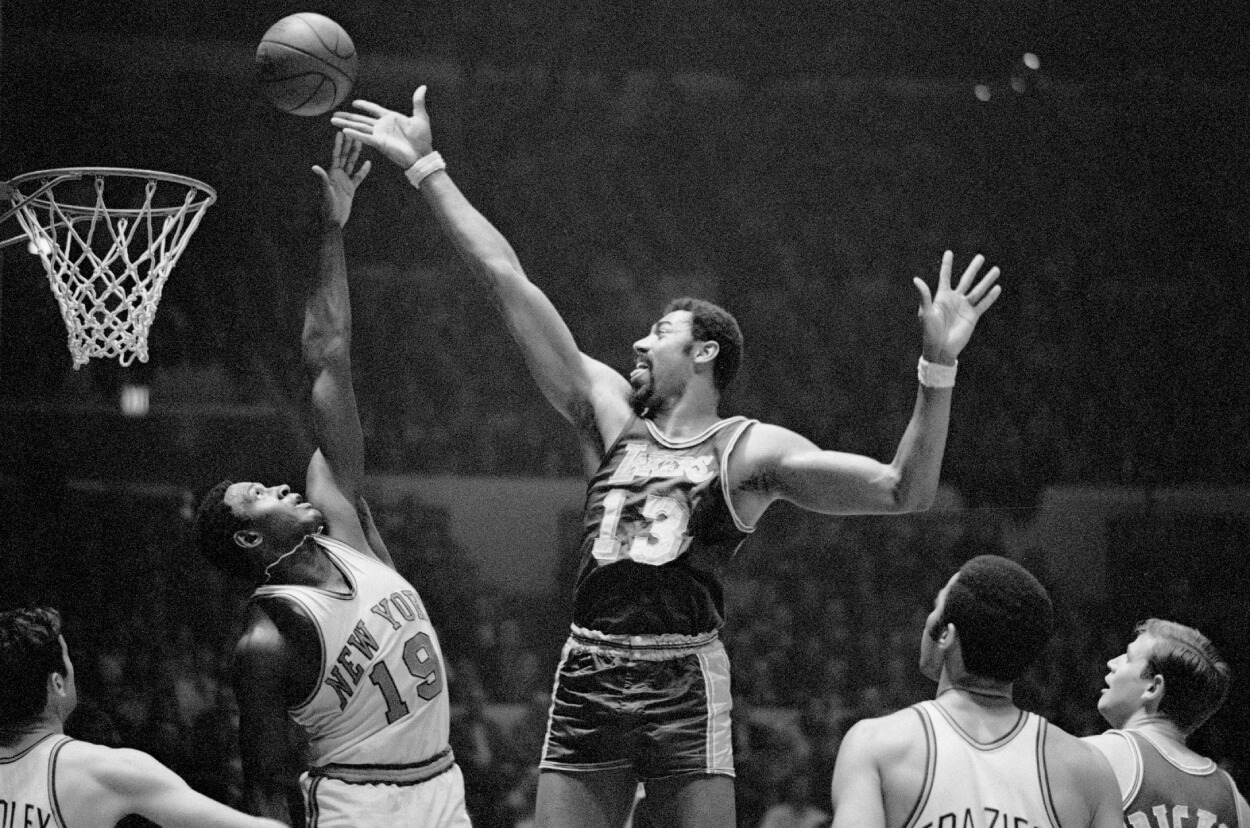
(306, 64)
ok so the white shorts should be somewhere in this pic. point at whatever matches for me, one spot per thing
(434, 803)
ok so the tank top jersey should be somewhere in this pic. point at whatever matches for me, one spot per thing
(382, 694)
(658, 529)
(1164, 792)
(27, 785)
(995, 784)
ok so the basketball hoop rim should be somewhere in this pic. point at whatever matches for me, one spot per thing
(208, 193)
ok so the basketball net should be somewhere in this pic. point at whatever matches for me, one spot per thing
(107, 265)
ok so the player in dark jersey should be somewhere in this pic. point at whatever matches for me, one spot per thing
(970, 757)
(1166, 684)
(643, 684)
(50, 779)
(336, 645)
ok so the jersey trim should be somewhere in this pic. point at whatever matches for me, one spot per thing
(726, 492)
(410, 774)
(1139, 767)
(1043, 775)
(52, 797)
(1021, 720)
(1206, 768)
(930, 766)
(690, 442)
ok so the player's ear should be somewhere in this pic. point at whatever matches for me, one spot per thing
(1154, 691)
(56, 684)
(247, 538)
(706, 351)
(948, 638)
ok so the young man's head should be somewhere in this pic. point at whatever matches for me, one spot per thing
(692, 337)
(999, 613)
(1169, 670)
(241, 528)
(36, 669)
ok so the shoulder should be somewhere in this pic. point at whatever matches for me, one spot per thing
(1115, 746)
(123, 772)
(887, 740)
(275, 630)
(1078, 766)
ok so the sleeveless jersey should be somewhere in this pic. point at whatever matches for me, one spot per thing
(27, 785)
(999, 784)
(1165, 792)
(382, 694)
(658, 528)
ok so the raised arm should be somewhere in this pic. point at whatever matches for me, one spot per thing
(778, 464)
(586, 392)
(337, 469)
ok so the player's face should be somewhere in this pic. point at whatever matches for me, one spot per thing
(278, 513)
(1126, 682)
(930, 654)
(662, 361)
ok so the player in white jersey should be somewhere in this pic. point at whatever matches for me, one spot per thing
(970, 757)
(336, 641)
(642, 686)
(50, 780)
(1165, 685)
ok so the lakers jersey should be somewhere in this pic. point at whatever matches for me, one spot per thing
(27, 785)
(999, 784)
(1165, 793)
(382, 694)
(659, 527)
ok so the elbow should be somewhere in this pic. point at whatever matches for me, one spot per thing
(322, 352)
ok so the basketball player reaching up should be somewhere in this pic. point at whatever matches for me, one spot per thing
(335, 639)
(1166, 684)
(50, 779)
(970, 756)
(642, 690)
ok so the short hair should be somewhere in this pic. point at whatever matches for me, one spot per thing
(713, 323)
(1196, 678)
(30, 650)
(215, 525)
(1003, 615)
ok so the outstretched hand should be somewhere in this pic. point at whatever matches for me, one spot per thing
(401, 138)
(950, 315)
(338, 186)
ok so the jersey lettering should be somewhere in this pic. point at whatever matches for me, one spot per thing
(1179, 816)
(659, 539)
(422, 663)
(992, 818)
(23, 815)
(638, 463)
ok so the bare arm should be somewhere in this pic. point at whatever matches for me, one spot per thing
(584, 391)
(777, 464)
(266, 681)
(337, 468)
(858, 798)
(112, 783)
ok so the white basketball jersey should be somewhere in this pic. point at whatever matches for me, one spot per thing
(999, 784)
(382, 694)
(27, 785)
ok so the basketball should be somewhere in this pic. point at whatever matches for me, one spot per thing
(306, 64)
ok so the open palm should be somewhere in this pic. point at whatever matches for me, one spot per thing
(950, 315)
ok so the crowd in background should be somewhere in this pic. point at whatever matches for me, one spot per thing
(803, 203)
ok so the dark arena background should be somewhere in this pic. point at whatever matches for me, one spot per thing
(797, 161)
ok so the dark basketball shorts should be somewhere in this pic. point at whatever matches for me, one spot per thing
(657, 704)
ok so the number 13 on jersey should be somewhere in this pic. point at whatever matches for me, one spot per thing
(656, 539)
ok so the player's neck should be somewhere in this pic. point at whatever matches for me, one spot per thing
(687, 415)
(975, 691)
(14, 742)
(307, 565)
(1155, 725)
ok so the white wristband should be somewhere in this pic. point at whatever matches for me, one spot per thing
(936, 376)
(425, 165)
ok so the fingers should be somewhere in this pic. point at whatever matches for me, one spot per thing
(370, 107)
(926, 298)
(325, 179)
(944, 275)
(352, 120)
(418, 100)
(989, 300)
(362, 172)
(974, 295)
(970, 273)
